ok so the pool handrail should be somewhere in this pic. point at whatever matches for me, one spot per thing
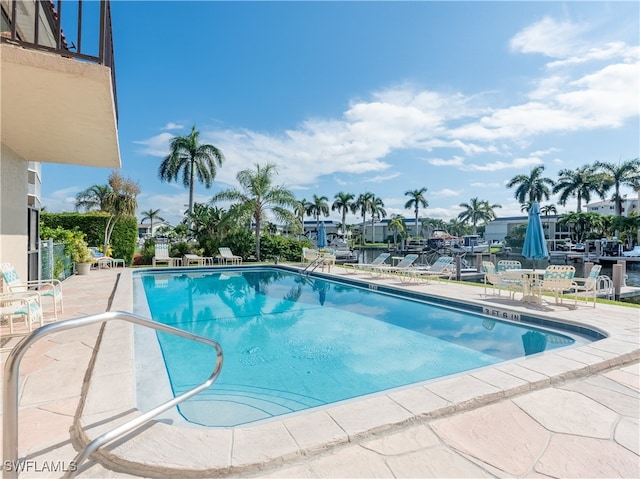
(11, 386)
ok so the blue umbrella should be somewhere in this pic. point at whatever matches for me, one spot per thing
(322, 236)
(535, 246)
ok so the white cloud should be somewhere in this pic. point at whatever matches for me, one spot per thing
(455, 161)
(381, 178)
(549, 37)
(172, 126)
(517, 163)
(479, 184)
(446, 192)
(156, 145)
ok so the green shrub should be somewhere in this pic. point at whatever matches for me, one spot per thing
(284, 248)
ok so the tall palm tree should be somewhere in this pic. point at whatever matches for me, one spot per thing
(300, 210)
(532, 187)
(257, 195)
(363, 204)
(476, 211)
(151, 215)
(319, 206)
(417, 200)
(93, 198)
(194, 159)
(625, 173)
(344, 202)
(121, 202)
(580, 183)
(377, 211)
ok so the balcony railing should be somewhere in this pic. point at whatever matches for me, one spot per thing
(39, 25)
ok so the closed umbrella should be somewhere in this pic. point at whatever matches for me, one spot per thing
(322, 236)
(535, 245)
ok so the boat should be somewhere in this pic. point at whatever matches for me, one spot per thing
(472, 244)
(343, 252)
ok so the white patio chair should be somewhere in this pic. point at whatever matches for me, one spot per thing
(51, 288)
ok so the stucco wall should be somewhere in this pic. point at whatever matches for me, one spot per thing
(13, 210)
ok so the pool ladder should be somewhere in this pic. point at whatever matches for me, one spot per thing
(311, 267)
(11, 387)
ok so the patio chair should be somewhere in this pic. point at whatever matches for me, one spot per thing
(491, 277)
(309, 254)
(226, 256)
(21, 305)
(505, 264)
(189, 259)
(556, 280)
(514, 280)
(587, 288)
(379, 260)
(51, 288)
(161, 255)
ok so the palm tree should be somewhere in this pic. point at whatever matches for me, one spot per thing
(417, 200)
(626, 173)
(434, 224)
(396, 224)
(151, 215)
(344, 202)
(377, 211)
(476, 211)
(317, 207)
(546, 210)
(300, 210)
(363, 204)
(532, 187)
(580, 183)
(193, 159)
(258, 195)
(93, 198)
(120, 202)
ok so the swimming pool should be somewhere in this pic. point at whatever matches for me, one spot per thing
(294, 342)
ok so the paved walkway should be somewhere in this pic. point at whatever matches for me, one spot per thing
(584, 427)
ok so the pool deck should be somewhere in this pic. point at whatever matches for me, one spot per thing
(565, 413)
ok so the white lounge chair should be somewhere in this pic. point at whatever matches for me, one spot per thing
(441, 268)
(162, 256)
(404, 265)
(587, 288)
(51, 288)
(378, 261)
(226, 256)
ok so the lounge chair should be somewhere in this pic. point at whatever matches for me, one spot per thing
(379, 260)
(441, 268)
(189, 259)
(51, 288)
(226, 256)
(309, 254)
(162, 256)
(587, 288)
(21, 305)
(322, 258)
(491, 277)
(405, 265)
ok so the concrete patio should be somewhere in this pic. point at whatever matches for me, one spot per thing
(573, 413)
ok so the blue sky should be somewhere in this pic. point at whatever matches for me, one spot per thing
(386, 97)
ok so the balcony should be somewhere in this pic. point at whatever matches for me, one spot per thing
(59, 103)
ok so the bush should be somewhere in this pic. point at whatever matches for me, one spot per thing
(123, 239)
(286, 249)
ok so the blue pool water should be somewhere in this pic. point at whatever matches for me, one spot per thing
(293, 342)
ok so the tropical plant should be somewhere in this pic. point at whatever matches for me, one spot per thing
(193, 159)
(317, 207)
(93, 198)
(396, 224)
(151, 215)
(532, 187)
(580, 224)
(120, 202)
(257, 195)
(624, 173)
(477, 211)
(547, 210)
(377, 211)
(433, 224)
(363, 204)
(579, 184)
(417, 200)
(457, 228)
(300, 210)
(344, 202)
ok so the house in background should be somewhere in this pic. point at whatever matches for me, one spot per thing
(58, 105)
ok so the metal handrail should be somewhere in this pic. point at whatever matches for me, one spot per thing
(11, 387)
